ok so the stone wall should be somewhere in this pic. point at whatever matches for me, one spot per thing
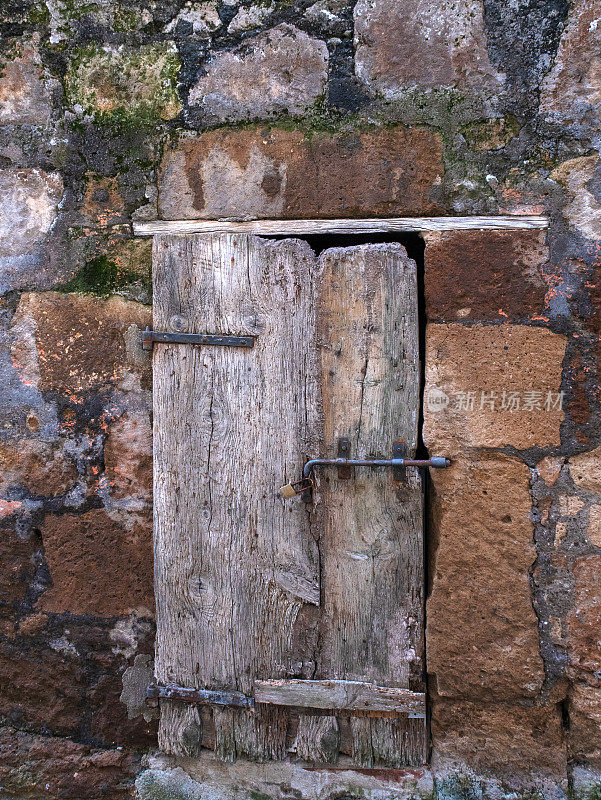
(120, 110)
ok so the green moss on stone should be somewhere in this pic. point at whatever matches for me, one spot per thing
(490, 134)
(101, 276)
(136, 84)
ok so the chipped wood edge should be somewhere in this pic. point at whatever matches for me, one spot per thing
(340, 695)
(306, 227)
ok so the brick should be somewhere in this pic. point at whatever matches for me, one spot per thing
(25, 89)
(503, 739)
(572, 89)
(97, 566)
(74, 343)
(280, 71)
(585, 470)
(395, 50)
(482, 630)
(485, 275)
(260, 173)
(485, 359)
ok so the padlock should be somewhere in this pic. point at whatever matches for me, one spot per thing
(287, 491)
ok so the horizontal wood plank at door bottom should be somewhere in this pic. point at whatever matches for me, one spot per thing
(306, 227)
(339, 696)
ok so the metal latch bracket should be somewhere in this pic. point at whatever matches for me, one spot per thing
(150, 337)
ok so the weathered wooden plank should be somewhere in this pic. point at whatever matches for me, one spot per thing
(234, 564)
(305, 227)
(340, 695)
(371, 544)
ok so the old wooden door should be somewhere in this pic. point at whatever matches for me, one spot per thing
(311, 611)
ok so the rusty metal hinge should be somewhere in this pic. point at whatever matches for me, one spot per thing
(213, 697)
(224, 340)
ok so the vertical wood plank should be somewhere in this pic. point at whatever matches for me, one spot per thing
(371, 545)
(234, 563)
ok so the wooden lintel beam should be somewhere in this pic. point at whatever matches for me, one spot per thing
(307, 227)
(340, 695)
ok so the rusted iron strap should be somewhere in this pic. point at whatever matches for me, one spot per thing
(199, 696)
(216, 339)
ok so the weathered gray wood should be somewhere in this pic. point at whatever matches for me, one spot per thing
(252, 587)
(371, 544)
(305, 227)
(340, 695)
(234, 563)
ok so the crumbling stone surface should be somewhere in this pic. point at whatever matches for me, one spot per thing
(25, 87)
(278, 173)
(492, 387)
(283, 70)
(482, 632)
(500, 275)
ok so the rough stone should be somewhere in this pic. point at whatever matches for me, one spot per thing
(593, 530)
(202, 17)
(422, 43)
(97, 566)
(584, 733)
(482, 630)
(519, 744)
(37, 466)
(282, 71)
(110, 722)
(250, 17)
(133, 81)
(128, 456)
(17, 566)
(74, 343)
(572, 90)
(485, 275)
(584, 621)
(29, 200)
(41, 688)
(583, 211)
(25, 89)
(521, 365)
(56, 768)
(585, 470)
(549, 468)
(256, 173)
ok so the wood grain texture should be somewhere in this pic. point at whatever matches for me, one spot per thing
(252, 587)
(340, 695)
(234, 563)
(371, 543)
(304, 227)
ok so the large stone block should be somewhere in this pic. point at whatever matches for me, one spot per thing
(133, 81)
(29, 200)
(521, 745)
(25, 89)
(41, 688)
(482, 630)
(280, 71)
(572, 90)
(97, 566)
(584, 733)
(128, 456)
(485, 275)
(583, 209)
(261, 173)
(38, 466)
(422, 43)
(73, 342)
(17, 565)
(492, 386)
(584, 621)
